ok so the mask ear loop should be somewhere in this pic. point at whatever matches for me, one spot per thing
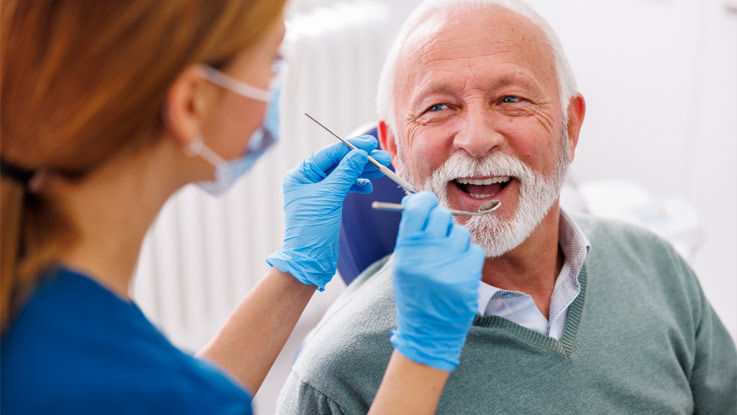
(197, 147)
(239, 87)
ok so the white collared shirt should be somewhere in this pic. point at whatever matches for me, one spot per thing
(520, 308)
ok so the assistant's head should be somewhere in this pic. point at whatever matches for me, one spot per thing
(89, 84)
(477, 102)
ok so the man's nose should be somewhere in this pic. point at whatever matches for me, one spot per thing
(477, 135)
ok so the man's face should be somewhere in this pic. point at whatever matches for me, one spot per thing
(479, 118)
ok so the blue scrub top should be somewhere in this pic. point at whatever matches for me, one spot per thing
(76, 347)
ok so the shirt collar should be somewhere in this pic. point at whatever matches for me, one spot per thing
(572, 241)
(575, 247)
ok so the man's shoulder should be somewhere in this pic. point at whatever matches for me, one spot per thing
(629, 256)
(372, 289)
(618, 240)
(603, 229)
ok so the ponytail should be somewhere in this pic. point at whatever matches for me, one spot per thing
(33, 233)
(11, 211)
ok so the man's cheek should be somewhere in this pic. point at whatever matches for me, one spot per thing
(430, 163)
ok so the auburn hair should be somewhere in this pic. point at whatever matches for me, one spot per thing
(83, 80)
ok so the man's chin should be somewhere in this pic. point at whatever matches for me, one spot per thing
(496, 237)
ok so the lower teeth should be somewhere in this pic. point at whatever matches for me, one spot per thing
(480, 196)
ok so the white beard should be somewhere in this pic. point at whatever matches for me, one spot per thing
(537, 195)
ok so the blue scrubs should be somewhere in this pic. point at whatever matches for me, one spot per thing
(76, 347)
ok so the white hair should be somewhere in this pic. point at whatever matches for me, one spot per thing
(386, 96)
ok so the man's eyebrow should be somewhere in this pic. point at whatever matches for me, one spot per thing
(433, 89)
(443, 88)
(516, 78)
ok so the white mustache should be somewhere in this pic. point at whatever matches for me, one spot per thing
(461, 165)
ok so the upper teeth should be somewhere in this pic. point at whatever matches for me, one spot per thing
(490, 180)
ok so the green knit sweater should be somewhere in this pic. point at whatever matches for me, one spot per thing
(639, 339)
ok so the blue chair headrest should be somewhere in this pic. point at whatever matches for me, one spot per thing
(366, 234)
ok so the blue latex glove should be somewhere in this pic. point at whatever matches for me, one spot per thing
(313, 205)
(437, 272)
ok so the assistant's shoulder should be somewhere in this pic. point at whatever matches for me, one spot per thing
(66, 381)
(344, 359)
(74, 347)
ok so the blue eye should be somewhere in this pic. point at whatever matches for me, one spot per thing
(437, 107)
(510, 99)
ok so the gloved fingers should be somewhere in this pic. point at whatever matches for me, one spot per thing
(477, 255)
(362, 186)
(439, 223)
(346, 174)
(367, 143)
(416, 210)
(371, 171)
(459, 237)
(327, 158)
(306, 172)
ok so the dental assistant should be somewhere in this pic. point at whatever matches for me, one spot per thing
(108, 109)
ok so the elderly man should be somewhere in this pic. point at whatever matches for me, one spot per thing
(576, 315)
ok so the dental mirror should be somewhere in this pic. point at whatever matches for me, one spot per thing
(485, 208)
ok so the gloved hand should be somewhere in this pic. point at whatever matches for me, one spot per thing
(437, 272)
(313, 205)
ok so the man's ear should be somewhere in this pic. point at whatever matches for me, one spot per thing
(576, 113)
(185, 105)
(387, 140)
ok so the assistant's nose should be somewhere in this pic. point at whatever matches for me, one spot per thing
(477, 135)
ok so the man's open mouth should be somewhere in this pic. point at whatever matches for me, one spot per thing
(482, 188)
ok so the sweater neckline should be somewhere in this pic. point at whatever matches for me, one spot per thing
(567, 341)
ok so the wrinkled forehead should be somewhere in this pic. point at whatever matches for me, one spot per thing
(473, 38)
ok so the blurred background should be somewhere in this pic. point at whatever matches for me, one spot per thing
(658, 148)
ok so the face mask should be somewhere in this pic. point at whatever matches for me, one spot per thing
(228, 172)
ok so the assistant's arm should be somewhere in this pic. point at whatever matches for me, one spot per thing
(250, 340)
(409, 387)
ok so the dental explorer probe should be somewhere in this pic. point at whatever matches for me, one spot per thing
(382, 168)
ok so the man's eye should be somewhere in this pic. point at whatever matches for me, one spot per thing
(437, 107)
(510, 99)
